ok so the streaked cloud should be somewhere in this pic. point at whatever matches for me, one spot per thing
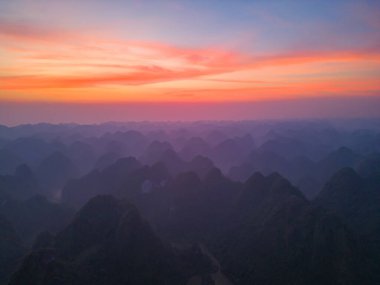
(266, 52)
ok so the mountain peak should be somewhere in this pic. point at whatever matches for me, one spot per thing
(272, 189)
(91, 224)
(342, 187)
(345, 178)
(107, 243)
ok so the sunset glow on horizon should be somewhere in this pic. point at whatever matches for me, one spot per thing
(108, 52)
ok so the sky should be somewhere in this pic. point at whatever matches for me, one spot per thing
(99, 60)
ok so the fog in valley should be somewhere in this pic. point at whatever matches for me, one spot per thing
(229, 202)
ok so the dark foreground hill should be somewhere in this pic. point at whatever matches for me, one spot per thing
(356, 200)
(263, 231)
(276, 236)
(109, 243)
(11, 250)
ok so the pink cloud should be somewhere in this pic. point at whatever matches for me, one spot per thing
(59, 61)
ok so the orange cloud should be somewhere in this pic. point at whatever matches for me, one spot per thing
(43, 59)
(185, 65)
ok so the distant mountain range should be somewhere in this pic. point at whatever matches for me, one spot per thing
(200, 203)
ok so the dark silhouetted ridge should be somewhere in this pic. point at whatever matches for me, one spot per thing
(108, 243)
